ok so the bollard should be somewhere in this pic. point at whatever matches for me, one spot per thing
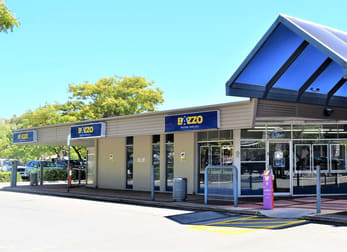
(14, 174)
(41, 174)
(70, 175)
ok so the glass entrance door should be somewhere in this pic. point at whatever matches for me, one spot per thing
(279, 162)
(213, 155)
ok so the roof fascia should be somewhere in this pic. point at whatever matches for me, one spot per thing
(313, 41)
(288, 95)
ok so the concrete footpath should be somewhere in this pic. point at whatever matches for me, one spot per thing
(334, 208)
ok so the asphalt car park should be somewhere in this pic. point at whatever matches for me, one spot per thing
(86, 225)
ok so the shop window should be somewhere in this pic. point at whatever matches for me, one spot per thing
(279, 131)
(253, 164)
(130, 140)
(258, 132)
(342, 128)
(307, 131)
(302, 153)
(320, 157)
(338, 157)
(129, 162)
(156, 160)
(156, 139)
(226, 135)
(252, 151)
(169, 151)
(169, 138)
(330, 131)
(216, 135)
(202, 136)
(214, 148)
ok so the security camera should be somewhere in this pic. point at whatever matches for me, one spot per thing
(328, 111)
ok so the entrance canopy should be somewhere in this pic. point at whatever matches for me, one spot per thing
(297, 61)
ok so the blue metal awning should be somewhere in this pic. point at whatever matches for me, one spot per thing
(296, 61)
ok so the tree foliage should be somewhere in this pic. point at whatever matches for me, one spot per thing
(113, 96)
(7, 19)
(107, 97)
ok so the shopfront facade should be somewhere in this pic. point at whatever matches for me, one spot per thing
(250, 135)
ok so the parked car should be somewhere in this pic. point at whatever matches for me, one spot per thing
(2, 163)
(75, 163)
(36, 164)
(8, 165)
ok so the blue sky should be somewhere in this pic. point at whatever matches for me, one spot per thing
(189, 48)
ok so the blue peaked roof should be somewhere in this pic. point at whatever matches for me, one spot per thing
(296, 60)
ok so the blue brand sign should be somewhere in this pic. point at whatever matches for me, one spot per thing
(25, 137)
(88, 131)
(192, 121)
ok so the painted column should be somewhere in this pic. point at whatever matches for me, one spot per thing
(237, 153)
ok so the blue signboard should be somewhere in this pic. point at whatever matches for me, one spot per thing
(25, 137)
(192, 121)
(88, 131)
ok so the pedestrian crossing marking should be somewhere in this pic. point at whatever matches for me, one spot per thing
(222, 230)
(246, 224)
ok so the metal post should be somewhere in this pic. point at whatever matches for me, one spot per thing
(86, 169)
(153, 183)
(68, 161)
(318, 189)
(236, 186)
(41, 174)
(14, 174)
(206, 186)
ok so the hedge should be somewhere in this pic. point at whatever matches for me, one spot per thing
(6, 177)
(59, 174)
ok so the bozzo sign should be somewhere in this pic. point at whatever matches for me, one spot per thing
(192, 121)
(25, 137)
(88, 131)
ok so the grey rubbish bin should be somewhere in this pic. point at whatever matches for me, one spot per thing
(179, 190)
(34, 178)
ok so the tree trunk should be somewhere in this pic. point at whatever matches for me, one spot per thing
(77, 152)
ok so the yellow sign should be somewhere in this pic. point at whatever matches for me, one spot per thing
(23, 136)
(183, 156)
(85, 130)
(191, 120)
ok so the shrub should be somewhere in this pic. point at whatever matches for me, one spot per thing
(58, 174)
(6, 177)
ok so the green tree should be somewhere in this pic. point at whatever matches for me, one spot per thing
(107, 97)
(44, 115)
(7, 19)
(113, 96)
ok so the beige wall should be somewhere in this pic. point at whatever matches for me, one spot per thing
(185, 142)
(111, 173)
(233, 116)
(142, 162)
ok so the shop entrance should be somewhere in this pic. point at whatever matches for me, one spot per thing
(279, 161)
(213, 155)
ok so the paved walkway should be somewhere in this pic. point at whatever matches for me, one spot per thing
(333, 207)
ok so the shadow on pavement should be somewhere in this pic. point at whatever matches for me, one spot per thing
(213, 219)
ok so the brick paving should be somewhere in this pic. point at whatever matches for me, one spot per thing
(330, 204)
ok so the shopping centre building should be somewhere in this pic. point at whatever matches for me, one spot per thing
(296, 117)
